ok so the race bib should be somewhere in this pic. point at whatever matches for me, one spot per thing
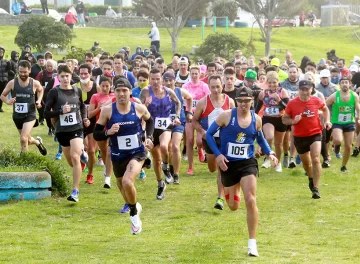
(195, 102)
(344, 118)
(21, 108)
(172, 117)
(272, 111)
(162, 122)
(128, 142)
(292, 94)
(68, 119)
(239, 151)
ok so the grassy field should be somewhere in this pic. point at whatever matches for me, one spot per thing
(313, 42)
(184, 228)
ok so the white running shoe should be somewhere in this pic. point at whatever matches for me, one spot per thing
(107, 182)
(278, 167)
(266, 164)
(136, 224)
(286, 161)
(252, 248)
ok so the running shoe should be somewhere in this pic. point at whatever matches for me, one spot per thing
(343, 169)
(176, 179)
(168, 177)
(219, 204)
(298, 159)
(315, 193)
(125, 209)
(147, 163)
(286, 161)
(100, 162)
(89, 179)
(136, 224)
(84, 157)
(252, 248)
(338, 155)
(266, 164)
(356, 152)
(201, 155)
(190, 171)
(50, 133)
(74, 196)
(107, 182)
(142, 175)
(292, 164)
(161, 192)
(326, 164)
(278, 167)
(83, 166)
(184, 157)
(41, 147)
(58, 156)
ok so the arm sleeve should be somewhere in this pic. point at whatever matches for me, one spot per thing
(262, 142)
(283, 103)
(258, 106)
(149, 127)
(99, 133)
(50, 100)
(210, 138)
(82, 105)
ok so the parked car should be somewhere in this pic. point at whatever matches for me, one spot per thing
(354, 19)
(282, 22)
(3, 11)
(52, 12)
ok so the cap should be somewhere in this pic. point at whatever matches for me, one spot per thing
(305, 84)
(183, 60)
(275, 62)
(122, 82)
(27, 46)
(325, 73)
(251, 75)
(168, 76)
(354, 68)
(244, 92)
(109, 7)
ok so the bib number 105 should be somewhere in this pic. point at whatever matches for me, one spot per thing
(239, 151)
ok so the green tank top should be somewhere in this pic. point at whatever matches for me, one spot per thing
(343, 113)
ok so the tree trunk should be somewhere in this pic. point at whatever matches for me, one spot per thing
(268, 41)
(174, 40)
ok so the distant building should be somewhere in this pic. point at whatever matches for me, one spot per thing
(73, 2)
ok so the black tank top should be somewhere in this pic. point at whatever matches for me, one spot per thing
(25, 100)
(89, 94)
(70, 121)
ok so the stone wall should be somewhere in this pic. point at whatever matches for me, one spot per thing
(99, 21)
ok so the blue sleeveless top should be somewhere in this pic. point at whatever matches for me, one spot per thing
(128, 140)
(182, 112)
(160, 107)
(237, 143)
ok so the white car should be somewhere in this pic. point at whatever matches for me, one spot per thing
(3, 11)
(52, 13)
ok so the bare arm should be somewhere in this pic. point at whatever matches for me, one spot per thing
(188, 98)
(104, 116)
(331, 99)
(196, 119)
(39, 92)
(287, 120)
(9, 87)
(232, 103)
(176, 100)
(357, 105)
(92, 111)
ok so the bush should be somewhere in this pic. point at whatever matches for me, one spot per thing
(30, 161)
(41, 31)
(225, 8)
(79, 54)
(218, 44)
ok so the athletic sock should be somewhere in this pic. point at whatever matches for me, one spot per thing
(337, 149)
(133, 210)
(165, 166)
(160, 183)
(171, 169)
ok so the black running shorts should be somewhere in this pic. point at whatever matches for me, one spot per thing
(276, 122)
(119, 167)
(302, 144)
(64, 138)
(238, 169)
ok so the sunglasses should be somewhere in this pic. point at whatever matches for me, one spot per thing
(243, 101)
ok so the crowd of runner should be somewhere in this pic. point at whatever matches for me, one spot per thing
(128, 112)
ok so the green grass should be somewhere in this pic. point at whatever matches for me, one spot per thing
(313, 42)
(184, 228)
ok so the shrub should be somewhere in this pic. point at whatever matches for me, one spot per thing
(218, 44)
(41, 31)
(30, 161)
(225, 8)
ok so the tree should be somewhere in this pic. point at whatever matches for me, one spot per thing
(174, 13)
(223, 8)
(269, 10)
(42, 31)
(219, 44)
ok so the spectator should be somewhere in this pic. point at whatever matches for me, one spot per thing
(138, 52)
(44, 6)
(154, 34)
(70, 20)
(80, 9)
(110, 12)
(96, 46)
(16, 8)
(302, 18)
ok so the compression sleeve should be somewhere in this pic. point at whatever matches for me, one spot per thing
(49, 112)
(283, 102)
(262, 142)
(258, 106)
(149, 127)
(100, 133)
(210, 138)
